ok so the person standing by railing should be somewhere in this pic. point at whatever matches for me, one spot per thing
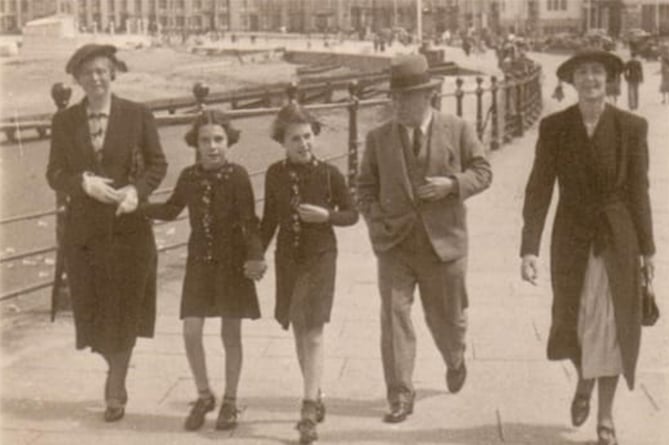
(106, 156)
(417, 170)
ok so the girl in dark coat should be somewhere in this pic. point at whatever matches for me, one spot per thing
(602, 235)
(305, 198)
(224, 255)
(106, 157)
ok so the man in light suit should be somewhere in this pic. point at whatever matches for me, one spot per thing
(416, 173)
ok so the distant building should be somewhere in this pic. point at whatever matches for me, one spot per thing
(14, 14)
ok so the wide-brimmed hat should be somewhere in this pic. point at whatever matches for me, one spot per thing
(89, 51)
(611, 62)
(410, 73)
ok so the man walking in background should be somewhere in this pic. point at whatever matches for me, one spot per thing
(416, 173)
(634, 76)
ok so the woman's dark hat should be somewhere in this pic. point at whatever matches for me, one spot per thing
(611, 62)
(410, 73)
(89, 51)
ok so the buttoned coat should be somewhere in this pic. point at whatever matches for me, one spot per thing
(110, 260)
(387, 200)
(603, 204)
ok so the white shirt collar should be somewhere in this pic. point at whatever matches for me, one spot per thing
(105, 110)
(424, 126)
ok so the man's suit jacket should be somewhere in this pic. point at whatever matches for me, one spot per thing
(131, 154)
(633, 71)
(386, 196)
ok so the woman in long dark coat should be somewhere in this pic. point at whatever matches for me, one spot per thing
(106, 156)
(602, 234)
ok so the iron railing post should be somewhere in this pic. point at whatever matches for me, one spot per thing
(60, 291)
(353, 133)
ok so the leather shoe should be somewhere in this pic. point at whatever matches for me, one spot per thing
(399, 411)
(580, 409)
(455, 378)
(114, 413)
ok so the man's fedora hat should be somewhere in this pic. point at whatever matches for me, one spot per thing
(611, 62)
(409, 73)
(89, 51)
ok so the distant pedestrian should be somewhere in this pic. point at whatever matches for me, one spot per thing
(466, 46)
(224, 256)
(305, 198)
(613, 88)
(417, 171)
(106, 156)
(634, 76)
(664, 73)
(602, 234)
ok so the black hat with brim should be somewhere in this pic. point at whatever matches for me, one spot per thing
(611, 62)
(89, 51)
(411, 73)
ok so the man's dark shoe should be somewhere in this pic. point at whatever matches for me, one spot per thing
(201, 407)
(114, 413)
(399, 411)
(455, 378)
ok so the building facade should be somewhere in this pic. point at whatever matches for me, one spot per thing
(526, 17)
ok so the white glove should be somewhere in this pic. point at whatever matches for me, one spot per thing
(128, 199)
(313, 214)
(99, 189)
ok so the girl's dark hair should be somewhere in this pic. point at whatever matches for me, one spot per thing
(289, 115)
(211, 117)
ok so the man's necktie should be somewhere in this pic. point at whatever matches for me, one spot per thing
(417, 141)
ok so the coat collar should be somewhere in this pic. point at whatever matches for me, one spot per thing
(83, 135)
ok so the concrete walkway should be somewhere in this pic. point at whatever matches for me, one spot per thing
(52, 394)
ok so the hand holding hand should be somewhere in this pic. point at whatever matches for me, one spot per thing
(436, 187)
(313, 214)
(99, 188)
(529, 269)
(128, 200)
(254, 269)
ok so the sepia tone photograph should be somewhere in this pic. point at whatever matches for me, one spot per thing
(334, 221)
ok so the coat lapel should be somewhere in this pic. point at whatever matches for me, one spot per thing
(395, 151)
(83, 136)
(112, 134)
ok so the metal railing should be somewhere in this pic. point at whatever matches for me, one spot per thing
(515, 104)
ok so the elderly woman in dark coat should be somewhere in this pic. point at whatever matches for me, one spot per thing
(106, 157)
(602, 237)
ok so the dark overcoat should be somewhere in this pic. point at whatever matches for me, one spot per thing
(603, 204)
(110, 261)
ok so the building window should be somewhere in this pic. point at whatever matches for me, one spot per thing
(162, 4)
(197, 4)
(564, 5)
(549, 4)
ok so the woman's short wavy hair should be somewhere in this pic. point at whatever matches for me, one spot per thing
(292, 114)
(211, 117)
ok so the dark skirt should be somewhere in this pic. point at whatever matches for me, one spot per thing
(216, 290)
(305, 289)
(113, 286)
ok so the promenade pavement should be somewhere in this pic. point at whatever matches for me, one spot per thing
(52, 394)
